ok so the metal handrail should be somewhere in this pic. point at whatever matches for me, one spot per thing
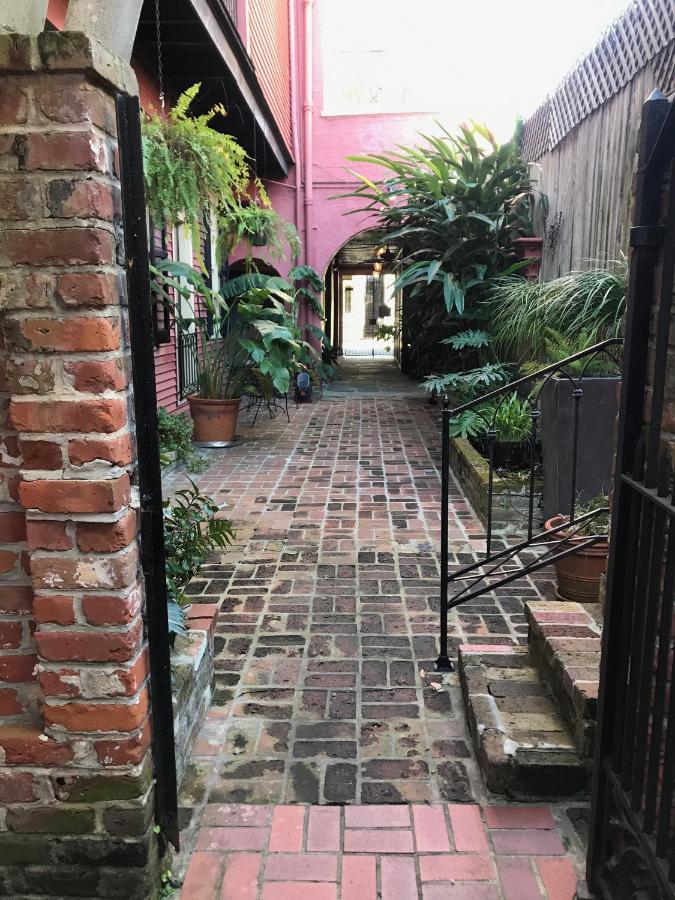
(545, 374)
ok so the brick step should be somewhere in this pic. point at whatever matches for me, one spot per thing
(523, 746)
(565, 644)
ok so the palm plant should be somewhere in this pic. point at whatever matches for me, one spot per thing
(452, 206)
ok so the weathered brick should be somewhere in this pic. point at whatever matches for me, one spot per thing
(116, 451)
(16, 599)
(89, 788)
(101, 609)
(86, 573)
(74, 334)
(107, 538)
(57, 609)
(27, 376)
(10, 705)
(57, 247)
(124, 752)
(104, 415)
(63, 150)
(11, 635)
(12, 527)
(21, 199)
(17, 668)
(25, 291)
(74, 103)
(45, 455)
(76, 496)
(9, 560)
(83, 199)
(88, 717)
(64, 683)
(95, 376)
(43, 535)
(17, 787)
(90, 645)
(13, 105)
(88, 289)
(23, 746)
(50, 820)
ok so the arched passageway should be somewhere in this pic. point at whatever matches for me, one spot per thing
(361, 307)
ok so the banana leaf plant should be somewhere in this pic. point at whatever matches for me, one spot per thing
(452, 205)
(239, 337)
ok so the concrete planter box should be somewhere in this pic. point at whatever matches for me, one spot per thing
(192, 681)
(510, 504)
(597, 418)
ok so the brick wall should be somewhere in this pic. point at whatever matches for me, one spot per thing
(268, 42)
(75, 766)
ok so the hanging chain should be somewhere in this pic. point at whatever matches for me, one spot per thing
(160, 66)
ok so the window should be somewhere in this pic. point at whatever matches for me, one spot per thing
(161, 316)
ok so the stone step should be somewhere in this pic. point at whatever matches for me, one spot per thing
(523, 746)
(565, 644)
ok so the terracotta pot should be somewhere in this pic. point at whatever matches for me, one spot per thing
(530, 248)
(215, 421)
(579, 574)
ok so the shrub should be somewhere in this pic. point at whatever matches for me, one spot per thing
(191, 534)
(175, 436)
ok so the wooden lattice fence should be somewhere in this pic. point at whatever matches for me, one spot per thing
(641, 34)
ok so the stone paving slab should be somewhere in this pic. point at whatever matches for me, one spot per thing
(406, 852)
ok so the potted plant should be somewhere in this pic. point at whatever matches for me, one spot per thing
(243, 340)
(542, 323)
(579, 575)
(527, 245)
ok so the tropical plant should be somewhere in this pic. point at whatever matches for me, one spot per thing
(509, 417)
(192, 532)
(598, 524)
(240, 337)
(473, 345)
(451, 206)
(190, 167)
(175, 436)
(525, 315)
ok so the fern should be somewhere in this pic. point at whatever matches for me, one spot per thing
(190, 168)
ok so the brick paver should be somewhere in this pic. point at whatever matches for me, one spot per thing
(370, 860)
(326, 635)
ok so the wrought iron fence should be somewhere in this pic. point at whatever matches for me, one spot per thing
(187, 363)
(506, 557)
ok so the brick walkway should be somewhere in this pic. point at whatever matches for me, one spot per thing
(326, 636)
(379, 853)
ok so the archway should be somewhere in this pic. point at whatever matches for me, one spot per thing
(360, 302)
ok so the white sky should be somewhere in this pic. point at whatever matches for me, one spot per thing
(484, 59)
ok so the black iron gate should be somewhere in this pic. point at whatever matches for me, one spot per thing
(149, 473)
(632, 838)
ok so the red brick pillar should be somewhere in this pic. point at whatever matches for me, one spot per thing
(75, 765)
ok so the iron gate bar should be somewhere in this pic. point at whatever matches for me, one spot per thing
(149, 472)
(628, 762)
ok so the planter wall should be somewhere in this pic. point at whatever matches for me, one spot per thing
(597, 417)
(510, 505)
(192, 680)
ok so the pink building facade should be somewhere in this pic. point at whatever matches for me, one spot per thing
(282, 64)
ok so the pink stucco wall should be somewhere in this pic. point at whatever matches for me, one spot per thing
(335, 138)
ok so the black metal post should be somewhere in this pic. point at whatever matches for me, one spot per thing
(646, 241)
(149, 472)
(491, 439)
(533, 458)
(443, 663)
(577, 394)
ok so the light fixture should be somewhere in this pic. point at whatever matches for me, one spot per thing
(377, 268)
